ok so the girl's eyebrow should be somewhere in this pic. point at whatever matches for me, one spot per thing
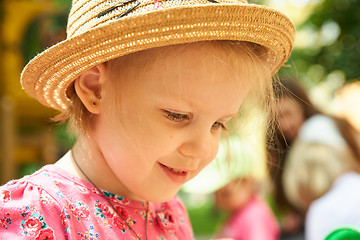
(182, 101)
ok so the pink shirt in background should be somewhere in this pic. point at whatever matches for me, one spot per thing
(52, 204)
(255, 221)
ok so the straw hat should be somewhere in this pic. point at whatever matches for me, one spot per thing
(100, 30)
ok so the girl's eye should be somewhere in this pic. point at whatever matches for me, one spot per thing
(217, 125)
(176, 117)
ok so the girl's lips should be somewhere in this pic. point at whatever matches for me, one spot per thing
(176, 175)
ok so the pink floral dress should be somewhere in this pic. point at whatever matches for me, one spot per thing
(52, 204)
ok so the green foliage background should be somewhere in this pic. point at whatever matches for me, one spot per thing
(343, 54)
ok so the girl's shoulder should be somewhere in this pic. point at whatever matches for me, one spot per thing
(47, 203)
(31, 207)
(48, 184)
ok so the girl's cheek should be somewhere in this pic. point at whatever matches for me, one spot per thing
(215, 150)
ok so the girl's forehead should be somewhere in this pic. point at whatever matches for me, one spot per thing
(178, 59)
(193, 62)
(192, 73)
(198, 50)
(236, 56)
(186, 69)
(194, 58)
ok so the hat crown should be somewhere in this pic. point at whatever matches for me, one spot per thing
(85, 15)
(101, 30)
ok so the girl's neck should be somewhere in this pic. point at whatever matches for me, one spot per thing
(89, 158)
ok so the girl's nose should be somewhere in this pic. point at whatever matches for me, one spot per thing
(201, 146)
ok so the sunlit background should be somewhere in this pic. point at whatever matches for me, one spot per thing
(325, 60)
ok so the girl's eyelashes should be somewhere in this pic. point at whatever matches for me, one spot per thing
(176, 117)
(185, 117)
(217, 125)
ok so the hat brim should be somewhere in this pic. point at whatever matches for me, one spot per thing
(47, 76)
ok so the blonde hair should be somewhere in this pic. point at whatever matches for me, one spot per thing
(245, 57)
(311, 169)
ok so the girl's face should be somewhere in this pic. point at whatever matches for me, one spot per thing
(290, 117)
(164, 127)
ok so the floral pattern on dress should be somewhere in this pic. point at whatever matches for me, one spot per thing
(65, 218)
(116, 198)
(11, 183)
(111, 218)
(165, 218)
(46, 198)
(52, 204)
(5, 195)
(81, 188)
(33, 224)
(106, 211)
(91, 235)
(79, 209)
(5, 220)
(45, 234)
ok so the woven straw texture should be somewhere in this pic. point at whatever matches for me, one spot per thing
(143, 24)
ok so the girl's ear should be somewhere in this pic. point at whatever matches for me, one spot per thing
(88, 87)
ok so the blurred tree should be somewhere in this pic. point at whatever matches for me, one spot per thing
(329, 42)
(64, 3)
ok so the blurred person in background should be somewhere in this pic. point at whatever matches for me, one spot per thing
(346, 99)
(250, 218)
(322, 176)
(293, 109)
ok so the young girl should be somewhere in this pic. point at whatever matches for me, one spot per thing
(250, 217)
(149, 87)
